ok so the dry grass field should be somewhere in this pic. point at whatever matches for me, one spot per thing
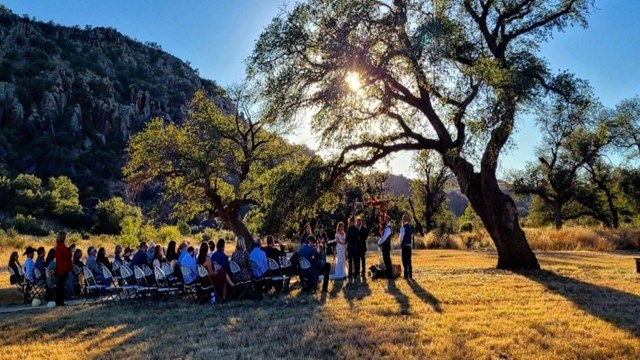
(584, 305)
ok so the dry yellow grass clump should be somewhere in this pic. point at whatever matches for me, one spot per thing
(584, 305)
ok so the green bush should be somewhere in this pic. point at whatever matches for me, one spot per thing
(184, 228)
(148, 233)
(129, 235)
(11, 239)
(110, 214)
(466, 227)
(27, 224)
(168, 233)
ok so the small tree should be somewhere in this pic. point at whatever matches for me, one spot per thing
(429, 189)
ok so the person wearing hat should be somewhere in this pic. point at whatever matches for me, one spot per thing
(29, 264)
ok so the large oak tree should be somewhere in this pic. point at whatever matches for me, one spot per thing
(451, 76)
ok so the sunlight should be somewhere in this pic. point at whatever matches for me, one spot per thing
(353, 80)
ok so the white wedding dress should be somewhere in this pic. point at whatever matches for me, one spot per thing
(341, 262)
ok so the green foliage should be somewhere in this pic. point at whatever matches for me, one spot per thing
(466, 226)
(168, 233)
(65, 202)
(30, 197)
(130, 230)
(148, 233)
(27, 224)
(110, 214)
(184, 228)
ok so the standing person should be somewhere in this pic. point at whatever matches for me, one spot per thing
(352, 248)
(385, 246)
(363, 234)
(341, 249)
(406, 240)
(307, 233)
(63, 266)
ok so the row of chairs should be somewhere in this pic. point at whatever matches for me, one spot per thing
(31, 290)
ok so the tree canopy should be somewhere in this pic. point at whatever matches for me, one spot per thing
(385, 76)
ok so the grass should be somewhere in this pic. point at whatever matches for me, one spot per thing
(584, 305)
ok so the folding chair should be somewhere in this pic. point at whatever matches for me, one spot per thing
(279, 280)
(78, 280)
(304, 280)
(206, 285)
(164, 288)
(241, 287)
(189, 289)
(171, 278)
(37, 287)
(129, 285)
(113, 288)
(143, 288)
(93, 289)
(20, 284)
(117, 275)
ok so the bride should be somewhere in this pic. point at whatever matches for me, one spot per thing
(341, 246)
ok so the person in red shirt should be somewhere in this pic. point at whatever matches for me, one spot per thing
(63, 266)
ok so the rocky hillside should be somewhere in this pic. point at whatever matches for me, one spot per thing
(70, 98)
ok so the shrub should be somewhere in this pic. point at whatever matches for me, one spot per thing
(168, 233)
(437, 240)
(129, 235)
(466, 227)
(27, 224)
(148, 233)
(110, 214)
(184, 228)
(11, 239)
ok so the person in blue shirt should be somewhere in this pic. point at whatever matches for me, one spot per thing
(220, 257)
(140, 258)
(258, 256)
(29, 264)
(189, 261)
(312, 253)
(40, 265)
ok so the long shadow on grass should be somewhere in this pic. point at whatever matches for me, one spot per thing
(356, 289)
(401, 299)
(617, 307)
(425, 296)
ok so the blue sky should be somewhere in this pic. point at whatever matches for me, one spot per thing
(216, 37)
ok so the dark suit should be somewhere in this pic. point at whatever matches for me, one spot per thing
(353, 252)
(317, 266)
(363, 234)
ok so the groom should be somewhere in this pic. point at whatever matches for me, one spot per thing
(352, 249)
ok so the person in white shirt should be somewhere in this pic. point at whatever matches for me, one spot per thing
(385, 246)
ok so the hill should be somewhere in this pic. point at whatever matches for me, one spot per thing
(70, 98)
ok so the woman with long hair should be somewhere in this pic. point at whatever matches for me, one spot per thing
(102, 259)
(172, 254)
(341, 247)
(158, 256)
(50, 266)
(219, 278)
(241, 257)
(14, 264)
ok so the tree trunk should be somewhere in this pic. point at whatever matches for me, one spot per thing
(419, 227)
(557, 213)
(238, 228)
(499, 215)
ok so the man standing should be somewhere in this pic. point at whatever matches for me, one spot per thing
(353, 252)
(406, 240)
(63, 266)
(385, 246)
(363, 234)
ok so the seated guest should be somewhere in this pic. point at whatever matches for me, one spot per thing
(29, 264)
(272, 251)
(220, 257)
(259, 258)
(182, 250)
(50, 266)
(102, 259)
(14, 265)
(77, 258)
(40, 265)
(241, 257)
(218, 278)
(92, 264)
(172, 254)
(189, 261)
(313, 254)
(212, 248)
(140, 258)
(127, 255)
(150, 251)
(158, 256)
(117, 254)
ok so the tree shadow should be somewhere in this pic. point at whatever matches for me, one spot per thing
(425, 296)
(616, 307)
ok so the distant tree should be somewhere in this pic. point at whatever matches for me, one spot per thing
(65, 201)
(575, 133)
(628, 126)
(428, 190)
(111, 213)
(30, 198)
(382, 77)
(212, 162)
